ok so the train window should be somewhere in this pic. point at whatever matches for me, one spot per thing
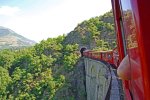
(109, 56)
(123, 37)
(103, 55)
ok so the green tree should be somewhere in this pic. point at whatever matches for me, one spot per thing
(5, 80)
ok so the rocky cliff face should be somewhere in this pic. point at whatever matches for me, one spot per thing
(10, 39)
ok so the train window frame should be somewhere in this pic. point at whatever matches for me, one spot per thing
(124, 42)
(123, 36)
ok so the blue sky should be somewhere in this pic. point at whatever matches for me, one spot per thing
(40, 19)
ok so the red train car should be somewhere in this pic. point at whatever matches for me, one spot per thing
(96, 55)
(116, 57)
(88, 53)
(107, 56)
(133, 34)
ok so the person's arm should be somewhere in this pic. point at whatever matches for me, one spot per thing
(126, 67)
(124, 70)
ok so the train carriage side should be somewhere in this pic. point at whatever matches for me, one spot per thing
(132, 27)
(115, 57)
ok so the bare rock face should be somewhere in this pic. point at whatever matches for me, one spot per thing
(10, 39)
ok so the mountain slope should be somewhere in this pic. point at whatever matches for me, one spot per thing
(10, 39)
(94, 33)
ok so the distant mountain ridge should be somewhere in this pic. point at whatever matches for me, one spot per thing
(10, 39)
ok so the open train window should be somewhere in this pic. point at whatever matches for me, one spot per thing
(109, 56)
(103, 55)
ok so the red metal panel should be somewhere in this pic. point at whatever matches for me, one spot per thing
(117, 16)
(136, 23)
(141, 15)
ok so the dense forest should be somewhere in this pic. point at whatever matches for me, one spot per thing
(44, 71)
(36, 72)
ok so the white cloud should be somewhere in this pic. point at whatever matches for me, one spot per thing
(8, 11)
(56, 20)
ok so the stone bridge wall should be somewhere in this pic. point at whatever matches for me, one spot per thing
(98, 79)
